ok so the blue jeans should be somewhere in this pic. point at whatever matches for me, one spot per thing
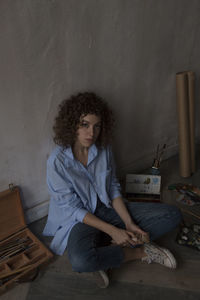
(89, 249)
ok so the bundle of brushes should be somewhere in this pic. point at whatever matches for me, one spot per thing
(14, 247)
(157, 160)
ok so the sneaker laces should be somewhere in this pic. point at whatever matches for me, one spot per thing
(153, 256)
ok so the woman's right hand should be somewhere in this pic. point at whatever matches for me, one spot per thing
(123, 237)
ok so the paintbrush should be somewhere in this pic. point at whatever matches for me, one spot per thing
(13, 243)
(190, 213)
(161, 153)
(158, 157)
(10, 248)
(15, 252)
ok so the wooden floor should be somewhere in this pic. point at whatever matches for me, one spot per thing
(134, 280)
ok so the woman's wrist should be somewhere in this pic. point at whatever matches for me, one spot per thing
(120, 207)
(111, 230)
(96, 222)
(129, 222)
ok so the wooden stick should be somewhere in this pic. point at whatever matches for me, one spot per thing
(11, 249)
(15, 252)
(14, 243)
(157, 152)
(12, 253)
(161, 153)
(190, 213)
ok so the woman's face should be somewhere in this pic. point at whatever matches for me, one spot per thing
(88, 130)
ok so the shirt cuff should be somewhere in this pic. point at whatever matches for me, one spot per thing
(80, 214)
(115, 194)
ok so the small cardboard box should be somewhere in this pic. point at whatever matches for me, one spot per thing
(143, 187)
(23, 259)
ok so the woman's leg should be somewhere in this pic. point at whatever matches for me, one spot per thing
(86, 253)
(155, 218)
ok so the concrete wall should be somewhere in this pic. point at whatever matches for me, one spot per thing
(127, 51)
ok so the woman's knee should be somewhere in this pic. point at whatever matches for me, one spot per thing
(78, 263)
(174, 213)
(82, 262)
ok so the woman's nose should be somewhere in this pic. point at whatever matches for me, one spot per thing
(91, 131)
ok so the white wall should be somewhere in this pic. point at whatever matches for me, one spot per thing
(127, 51)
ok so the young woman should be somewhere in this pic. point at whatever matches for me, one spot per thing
(87, 214)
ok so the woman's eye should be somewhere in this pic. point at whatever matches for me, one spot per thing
(84, 125)
(98, 126)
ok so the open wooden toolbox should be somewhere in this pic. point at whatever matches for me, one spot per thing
(21, 253)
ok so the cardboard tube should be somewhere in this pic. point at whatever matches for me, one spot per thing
(183, 124)
(191, 79)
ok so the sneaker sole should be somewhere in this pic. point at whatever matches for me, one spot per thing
(105, 278)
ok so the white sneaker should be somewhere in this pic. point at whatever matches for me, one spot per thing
(159, 255)
(101, 278)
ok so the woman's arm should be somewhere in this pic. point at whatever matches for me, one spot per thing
(120, 208)
(62, 191)
(118, 203)
(120, 236)
(96, 222)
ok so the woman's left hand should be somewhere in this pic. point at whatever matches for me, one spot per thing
(141, 235)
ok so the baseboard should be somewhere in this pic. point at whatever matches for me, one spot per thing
(37, 212)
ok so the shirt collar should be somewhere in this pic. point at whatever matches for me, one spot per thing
(91, 154)
(69, 153)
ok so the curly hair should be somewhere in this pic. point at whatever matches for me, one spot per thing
(68, 119)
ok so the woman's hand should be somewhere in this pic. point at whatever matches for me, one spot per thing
(123, 237)
(141, 235)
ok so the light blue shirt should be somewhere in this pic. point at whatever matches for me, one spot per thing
(74, 188)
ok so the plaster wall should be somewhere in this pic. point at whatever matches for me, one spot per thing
(127, 51)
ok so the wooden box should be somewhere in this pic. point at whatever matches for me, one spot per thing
(21, 253)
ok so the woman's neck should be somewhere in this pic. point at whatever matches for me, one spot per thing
(81, 153)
